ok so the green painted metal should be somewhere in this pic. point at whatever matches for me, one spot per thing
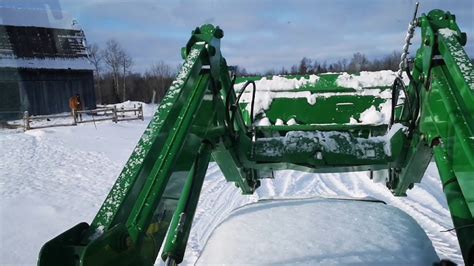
(417, 160)
(323, 151)
(135, 216)
(158, 189)
(324, 103)
(458, 205)
(327, 110)
(442, 90)
(326, 83)
(361, 130)
(180, 227)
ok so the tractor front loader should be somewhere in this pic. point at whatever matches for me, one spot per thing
(202, 118)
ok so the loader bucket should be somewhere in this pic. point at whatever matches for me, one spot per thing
(327, 102)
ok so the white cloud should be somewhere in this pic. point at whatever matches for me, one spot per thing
(258, 34)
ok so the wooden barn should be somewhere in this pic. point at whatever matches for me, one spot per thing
(41, 68)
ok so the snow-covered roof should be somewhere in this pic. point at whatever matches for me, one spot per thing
(48, 63)
(26, 46)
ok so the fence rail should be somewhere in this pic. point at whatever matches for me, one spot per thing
(105, 113)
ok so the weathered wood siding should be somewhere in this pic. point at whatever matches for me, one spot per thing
(42, 92)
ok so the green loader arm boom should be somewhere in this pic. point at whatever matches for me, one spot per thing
(151, 206)
(164, 174)
(442, 91)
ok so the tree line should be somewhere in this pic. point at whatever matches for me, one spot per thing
(116, 82)
(358, 62)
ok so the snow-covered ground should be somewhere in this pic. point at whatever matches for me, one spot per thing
(51, 179)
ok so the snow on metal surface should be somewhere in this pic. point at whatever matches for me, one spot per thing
(282, 87)
(279, 83)
(133, 165)
(331, 141)
(446, 32)
(459, 55)
(372, 116)
(318, 231)
(264, 99)
(368, 79)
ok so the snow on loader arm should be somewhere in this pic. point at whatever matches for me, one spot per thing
(203, 117)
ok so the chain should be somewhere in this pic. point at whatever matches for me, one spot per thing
(411, 30)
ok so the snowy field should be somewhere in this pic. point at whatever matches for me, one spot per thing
(52, 179)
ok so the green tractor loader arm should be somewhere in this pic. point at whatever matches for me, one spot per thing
(442, 88)
(152, 204)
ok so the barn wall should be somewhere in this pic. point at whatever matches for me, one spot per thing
(10, 101)
(44, 91)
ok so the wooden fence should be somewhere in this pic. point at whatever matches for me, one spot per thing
(103, 113)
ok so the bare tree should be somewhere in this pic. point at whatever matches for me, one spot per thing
(294, 69)
(269, 72)
(359, 62)
(112, 58)
(304, 66)
(96, 57)
(315, 67)
(392, 61)
(344, 64)
(240, 71)
(161, 74)
(126, 63)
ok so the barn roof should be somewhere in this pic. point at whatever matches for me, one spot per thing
(34, 47)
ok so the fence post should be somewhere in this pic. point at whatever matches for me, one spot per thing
(140, 112)
(26, 121)
(115, 119)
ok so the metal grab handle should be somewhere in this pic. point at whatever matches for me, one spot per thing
(236, 104)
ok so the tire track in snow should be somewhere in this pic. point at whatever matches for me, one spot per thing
(218, 199)
(445, 243)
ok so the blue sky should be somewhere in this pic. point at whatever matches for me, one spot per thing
(258, 35)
